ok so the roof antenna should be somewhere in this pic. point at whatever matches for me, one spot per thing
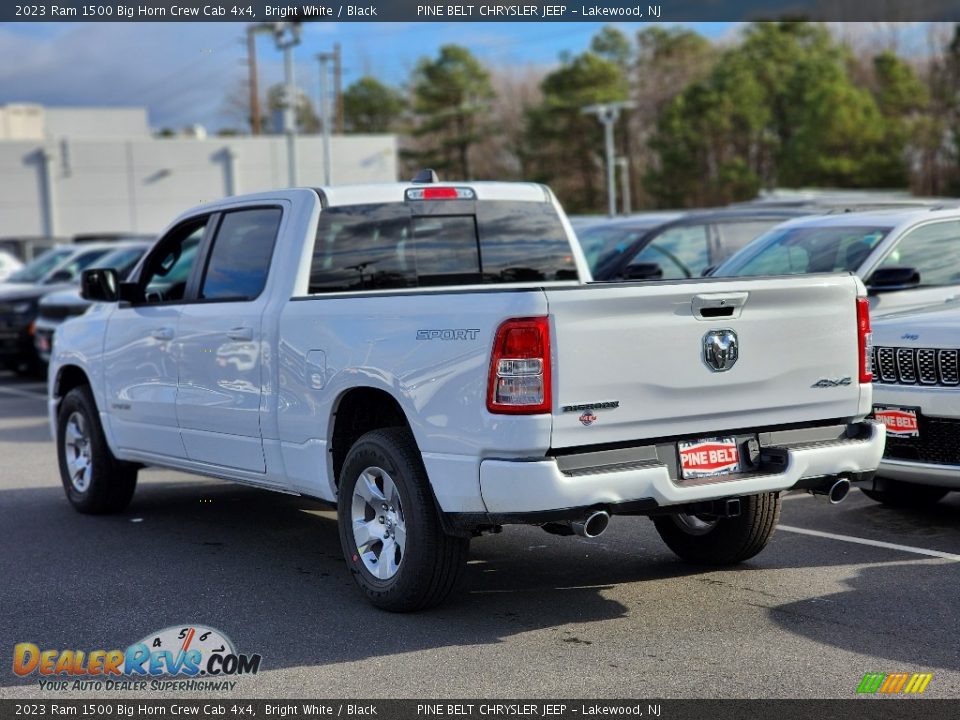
(426, 176)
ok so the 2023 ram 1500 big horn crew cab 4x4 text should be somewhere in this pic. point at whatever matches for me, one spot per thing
(430, 358)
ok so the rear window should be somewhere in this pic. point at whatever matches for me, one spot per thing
(398, 245)
(240, 259)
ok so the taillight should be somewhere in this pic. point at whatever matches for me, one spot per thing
(865, 340)
(520, 367)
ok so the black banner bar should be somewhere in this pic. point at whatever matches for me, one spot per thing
(532, 11)
(860, 709)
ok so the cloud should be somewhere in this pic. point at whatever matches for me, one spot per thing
(179, 71)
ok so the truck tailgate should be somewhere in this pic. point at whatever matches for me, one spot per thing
(629, 360)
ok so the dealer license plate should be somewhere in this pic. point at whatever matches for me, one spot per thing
(900, 421)
(708, 457)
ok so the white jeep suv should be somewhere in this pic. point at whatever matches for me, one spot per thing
(917, 395)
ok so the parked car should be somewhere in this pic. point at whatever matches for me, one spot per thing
(827, 199)
(56, 269)
(347, 344)
(9, 264)
(27, 248)
(582, 221)
(58, 306)
(907, 258)
(114, 237)
(917, 396)
(41, 267)
(674, 246)
(602, 237)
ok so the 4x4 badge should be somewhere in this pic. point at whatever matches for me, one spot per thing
(828, 383)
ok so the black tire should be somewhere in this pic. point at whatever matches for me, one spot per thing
(109, 485)
(905, 495)
(724, 541)
(431, 562)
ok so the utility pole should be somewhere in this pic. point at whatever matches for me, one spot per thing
(624, 164)
(338, 86)
(287, 35)
(256, 125)
(254, 89)
(324, 58)
(607, 113)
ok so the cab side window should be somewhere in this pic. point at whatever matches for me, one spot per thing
(681, 252)
(167, 270)
(240, 258)
(932, 251)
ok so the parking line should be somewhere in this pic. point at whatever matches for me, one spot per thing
(23, 393)
(873, 543)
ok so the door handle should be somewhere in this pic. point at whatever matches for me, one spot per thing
(240, 333)
(713, 306)
(163, 333)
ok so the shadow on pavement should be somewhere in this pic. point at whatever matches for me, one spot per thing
(267, 570)
(885, 614)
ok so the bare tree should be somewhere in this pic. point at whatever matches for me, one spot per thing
(501, 154)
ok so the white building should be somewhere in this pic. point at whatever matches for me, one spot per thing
(26, 121)
(76, 170)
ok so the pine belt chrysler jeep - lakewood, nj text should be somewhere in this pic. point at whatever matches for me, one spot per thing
(434, 360)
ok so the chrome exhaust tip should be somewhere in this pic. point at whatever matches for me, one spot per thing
(593, 525)
(838, 491)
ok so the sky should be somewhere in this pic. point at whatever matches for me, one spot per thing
(182, 72)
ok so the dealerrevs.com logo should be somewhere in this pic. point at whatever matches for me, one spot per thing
(894, 683)
(180, 657)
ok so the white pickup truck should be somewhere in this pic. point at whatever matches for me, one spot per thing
(433, 359)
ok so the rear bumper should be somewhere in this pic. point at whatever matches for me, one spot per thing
(516, 487)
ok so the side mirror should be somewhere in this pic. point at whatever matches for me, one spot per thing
(889, 279)
(100, 285)
(643, 271)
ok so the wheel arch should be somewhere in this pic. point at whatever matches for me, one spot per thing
(358, 411)
(69, 377)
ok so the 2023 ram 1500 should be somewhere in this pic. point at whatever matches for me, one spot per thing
(433, 359)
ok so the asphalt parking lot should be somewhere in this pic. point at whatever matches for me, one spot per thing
(539, 616)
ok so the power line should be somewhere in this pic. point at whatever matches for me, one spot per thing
(159, 84)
